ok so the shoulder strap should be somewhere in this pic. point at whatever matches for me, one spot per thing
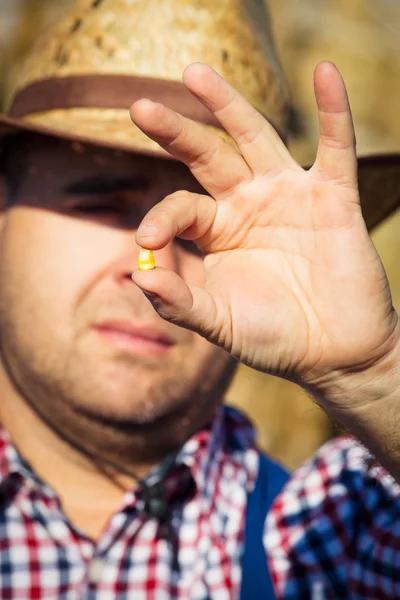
(256, 580)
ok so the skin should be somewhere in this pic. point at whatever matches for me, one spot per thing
(316, 307)
(69, 390)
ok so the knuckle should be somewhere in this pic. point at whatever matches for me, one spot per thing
(207, 155)
(248, 136)
(177, 209)
(176, 138)
(337, 143)
(176, 198)
(230, 101)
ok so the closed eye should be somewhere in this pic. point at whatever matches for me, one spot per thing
(113, 211)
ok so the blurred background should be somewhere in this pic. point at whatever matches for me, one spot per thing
(363, 38)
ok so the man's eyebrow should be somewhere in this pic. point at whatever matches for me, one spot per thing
(107, 185)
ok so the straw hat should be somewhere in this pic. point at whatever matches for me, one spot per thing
(84, 73)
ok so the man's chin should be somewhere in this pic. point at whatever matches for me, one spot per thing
(119, 412)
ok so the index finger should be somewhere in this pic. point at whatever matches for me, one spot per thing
(217, 166)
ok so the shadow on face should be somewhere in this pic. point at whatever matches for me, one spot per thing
(89, 182)
(67, 251)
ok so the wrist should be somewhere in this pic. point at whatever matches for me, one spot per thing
(367, 404)
(362, 386)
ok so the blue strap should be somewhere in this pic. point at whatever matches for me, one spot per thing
(256, 580)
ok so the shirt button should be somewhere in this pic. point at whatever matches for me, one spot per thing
(30, 483)
(96, 569)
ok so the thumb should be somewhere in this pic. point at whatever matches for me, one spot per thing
(176, 301)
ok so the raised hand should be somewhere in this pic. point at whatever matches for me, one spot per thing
(293, 284)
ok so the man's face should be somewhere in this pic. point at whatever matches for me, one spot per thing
(74, 328)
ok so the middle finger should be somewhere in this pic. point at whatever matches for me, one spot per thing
(256, 138)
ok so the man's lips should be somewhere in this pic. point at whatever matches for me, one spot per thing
(136, 338)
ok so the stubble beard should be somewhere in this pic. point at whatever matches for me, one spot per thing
(82, 409)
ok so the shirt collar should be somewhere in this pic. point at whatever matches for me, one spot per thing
(14, 470)
(11, 462)
(229, 434)
(228, 437)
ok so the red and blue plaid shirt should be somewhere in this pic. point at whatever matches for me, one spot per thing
(42, 555)
(334, 532)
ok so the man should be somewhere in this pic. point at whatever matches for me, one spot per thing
(103, 399)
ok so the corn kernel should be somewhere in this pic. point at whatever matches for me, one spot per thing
(146, 260)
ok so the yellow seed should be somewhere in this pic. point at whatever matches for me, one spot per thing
(146, 260)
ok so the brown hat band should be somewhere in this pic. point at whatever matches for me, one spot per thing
(107, 91)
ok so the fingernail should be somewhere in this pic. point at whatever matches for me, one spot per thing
(150, 295)
(148, 230)
(146, 101)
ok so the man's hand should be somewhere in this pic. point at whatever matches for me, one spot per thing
(293, 284)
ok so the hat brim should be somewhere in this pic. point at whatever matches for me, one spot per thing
(10, 126)
(379, 175)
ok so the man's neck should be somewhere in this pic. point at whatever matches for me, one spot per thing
(55, 461)
(84, 485)
(87, 463)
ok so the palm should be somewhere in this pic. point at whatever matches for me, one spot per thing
(303, 262)
(293, 284)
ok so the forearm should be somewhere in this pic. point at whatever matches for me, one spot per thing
(370, 409)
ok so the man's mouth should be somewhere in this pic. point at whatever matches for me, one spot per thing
(139, 339)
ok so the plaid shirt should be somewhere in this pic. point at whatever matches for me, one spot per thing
(42, 555)
(334, 532)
